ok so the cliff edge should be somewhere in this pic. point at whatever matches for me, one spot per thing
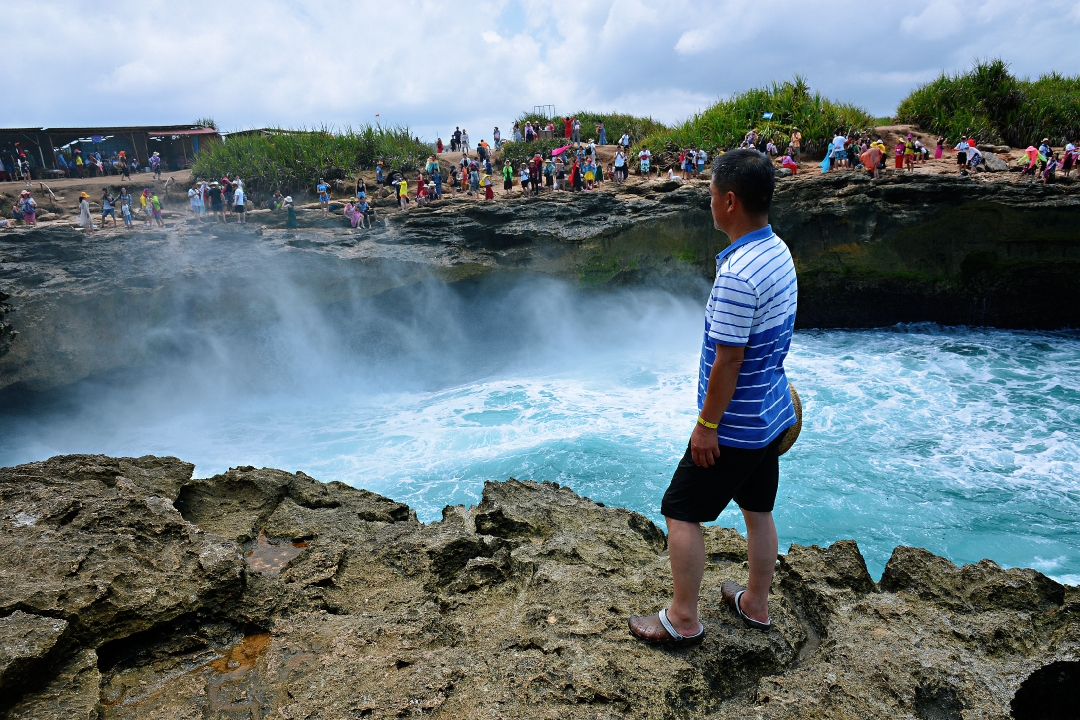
(129, 590)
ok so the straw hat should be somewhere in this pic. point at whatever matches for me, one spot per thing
(84, 195)
(789, 436)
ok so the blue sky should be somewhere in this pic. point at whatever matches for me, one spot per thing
(433, 64)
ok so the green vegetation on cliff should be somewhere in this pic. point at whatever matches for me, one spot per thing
(518, 153)
(289, 160)
(792, 105)
(994, 106)
(615, 124)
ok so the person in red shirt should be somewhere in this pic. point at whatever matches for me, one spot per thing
(536, 172)
(567, 129)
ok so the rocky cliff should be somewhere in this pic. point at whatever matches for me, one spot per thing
(905, 249)
(128, 589)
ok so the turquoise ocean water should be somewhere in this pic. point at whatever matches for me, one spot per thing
(963, 441)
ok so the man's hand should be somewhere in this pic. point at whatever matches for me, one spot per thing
(704, 447)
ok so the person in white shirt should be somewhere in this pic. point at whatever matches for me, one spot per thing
(465, 141)
(645, 158)
(239, 206)
(625, 141)
(620, 166)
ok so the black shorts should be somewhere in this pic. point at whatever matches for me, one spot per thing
(698, 494)
(239, 208)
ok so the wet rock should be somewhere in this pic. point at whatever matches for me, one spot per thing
(514, 608)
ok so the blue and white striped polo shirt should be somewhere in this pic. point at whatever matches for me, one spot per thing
(753, 304)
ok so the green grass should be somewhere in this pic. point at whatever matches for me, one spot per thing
(292, 160)
(992, 105)
(518, 153)
(615, 124)
(793, 105)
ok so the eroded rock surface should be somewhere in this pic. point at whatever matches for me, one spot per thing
(131, 590)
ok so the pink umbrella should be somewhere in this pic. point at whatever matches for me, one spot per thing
(559, 151)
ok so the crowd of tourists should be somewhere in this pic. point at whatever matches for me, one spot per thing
(574, 167)
(219, 199)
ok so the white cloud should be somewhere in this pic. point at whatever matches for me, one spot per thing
(939, 19)
(695, 41)
(433, 64)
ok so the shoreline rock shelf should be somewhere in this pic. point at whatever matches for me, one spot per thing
(127, 591)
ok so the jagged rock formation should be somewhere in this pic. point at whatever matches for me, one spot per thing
(944, 249)
(908, 248)
(130, 590)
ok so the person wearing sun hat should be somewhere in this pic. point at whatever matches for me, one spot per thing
(290, 217)
(29, 207)
(85, 221)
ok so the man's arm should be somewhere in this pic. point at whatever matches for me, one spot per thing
(704, 446)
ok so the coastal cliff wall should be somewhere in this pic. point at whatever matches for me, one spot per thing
(908, 248)
(131, 590)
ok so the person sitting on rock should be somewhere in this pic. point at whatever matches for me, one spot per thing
(744, 406)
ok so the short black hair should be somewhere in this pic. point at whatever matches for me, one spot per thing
(749, 174)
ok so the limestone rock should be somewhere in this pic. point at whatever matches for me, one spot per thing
(343, 605)
(993, 163)
(26, 645)
(72, 693)
(974, 588)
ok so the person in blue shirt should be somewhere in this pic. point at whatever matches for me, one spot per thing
(744, 405)
(324, 196)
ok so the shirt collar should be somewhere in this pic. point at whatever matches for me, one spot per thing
(753, 235)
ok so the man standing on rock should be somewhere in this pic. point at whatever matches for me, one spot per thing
(743, 401)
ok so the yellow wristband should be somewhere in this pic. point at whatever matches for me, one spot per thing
(706, 423)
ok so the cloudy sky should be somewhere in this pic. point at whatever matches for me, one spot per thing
(433, 64)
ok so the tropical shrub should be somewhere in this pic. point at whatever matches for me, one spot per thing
(615, 124)
(291, 160)
(518, 153)
(792, 105)
(993, 106)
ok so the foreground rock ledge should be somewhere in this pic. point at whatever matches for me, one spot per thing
(130, 590)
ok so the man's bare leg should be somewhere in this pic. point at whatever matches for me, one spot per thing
(761, 548)
(686, 547)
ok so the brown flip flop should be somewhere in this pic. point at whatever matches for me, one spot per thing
(731, 592)
(666, 634)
